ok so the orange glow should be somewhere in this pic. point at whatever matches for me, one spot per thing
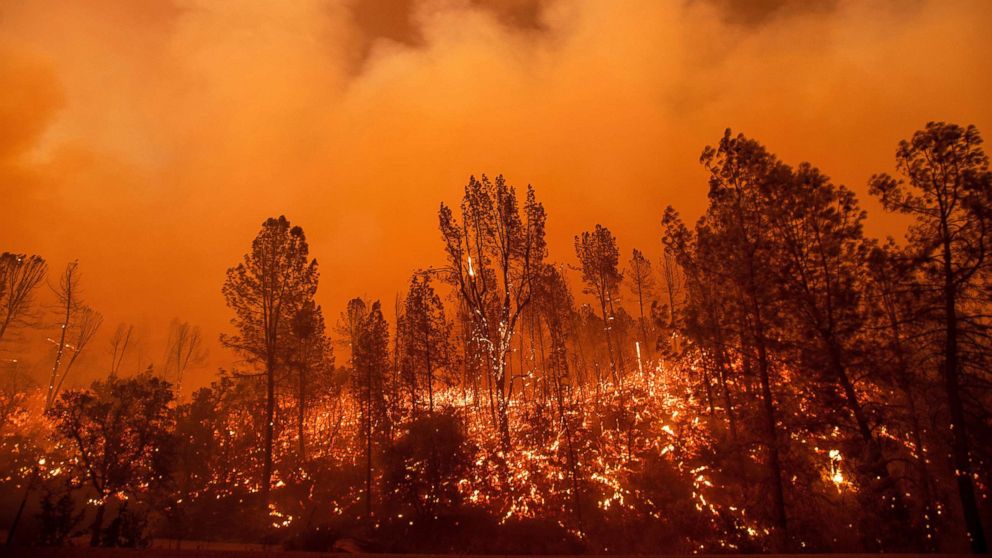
(150, 140)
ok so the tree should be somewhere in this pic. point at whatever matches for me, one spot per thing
(370, 360)
(818, 254)
(19, 276)
(426, 346)
(674, 277)
(556, 307)
(349, 326)
(895, 314)
(275, 277)
(949, 195)
(119, 343)
(311, 355)
(705, 314)
(78, 326)
(494, 254)
(121, 431)
(183, 349)
(599, 258)
(642, 285)
(736, 231)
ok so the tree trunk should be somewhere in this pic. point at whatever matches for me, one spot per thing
(728, 402)
(640, 307)
(368, 447)
(301, 415)
(430, 369)
(96, 528)
(20, 508)
(771, 428)
(955, 407)
(270, 412)
(59, 352)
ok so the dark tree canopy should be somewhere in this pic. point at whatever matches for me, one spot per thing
(265, 291)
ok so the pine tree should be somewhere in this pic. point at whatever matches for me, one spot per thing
(276, 277)
(949, 195)
(427, 351)
(370, 359)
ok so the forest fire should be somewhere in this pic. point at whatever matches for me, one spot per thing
(593, 445)
(503, 405)
(784, 364)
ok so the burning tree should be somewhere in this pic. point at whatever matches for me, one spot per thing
(79, 323)
(494, 254)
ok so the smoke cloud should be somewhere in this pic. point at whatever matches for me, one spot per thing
(150, 140)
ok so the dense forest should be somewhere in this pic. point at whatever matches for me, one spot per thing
(767, 379)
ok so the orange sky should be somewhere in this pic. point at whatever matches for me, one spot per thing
(151, 139)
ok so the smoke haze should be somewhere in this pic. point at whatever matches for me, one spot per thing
(150, 140)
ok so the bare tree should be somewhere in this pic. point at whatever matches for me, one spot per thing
(19, 276)
(79, 323)
(349, 325)
(118, 346)
(183, 349)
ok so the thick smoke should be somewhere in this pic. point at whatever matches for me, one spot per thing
(150, 140)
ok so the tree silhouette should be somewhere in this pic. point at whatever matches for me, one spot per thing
(370, 360)
(949, 195)
(19, 276)
(599, 259)
(706, 313)
(641, 283)
(311, 356)
(121, 431)
(736, 228)
(79, 323)
(818, 254)
(275, 277)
